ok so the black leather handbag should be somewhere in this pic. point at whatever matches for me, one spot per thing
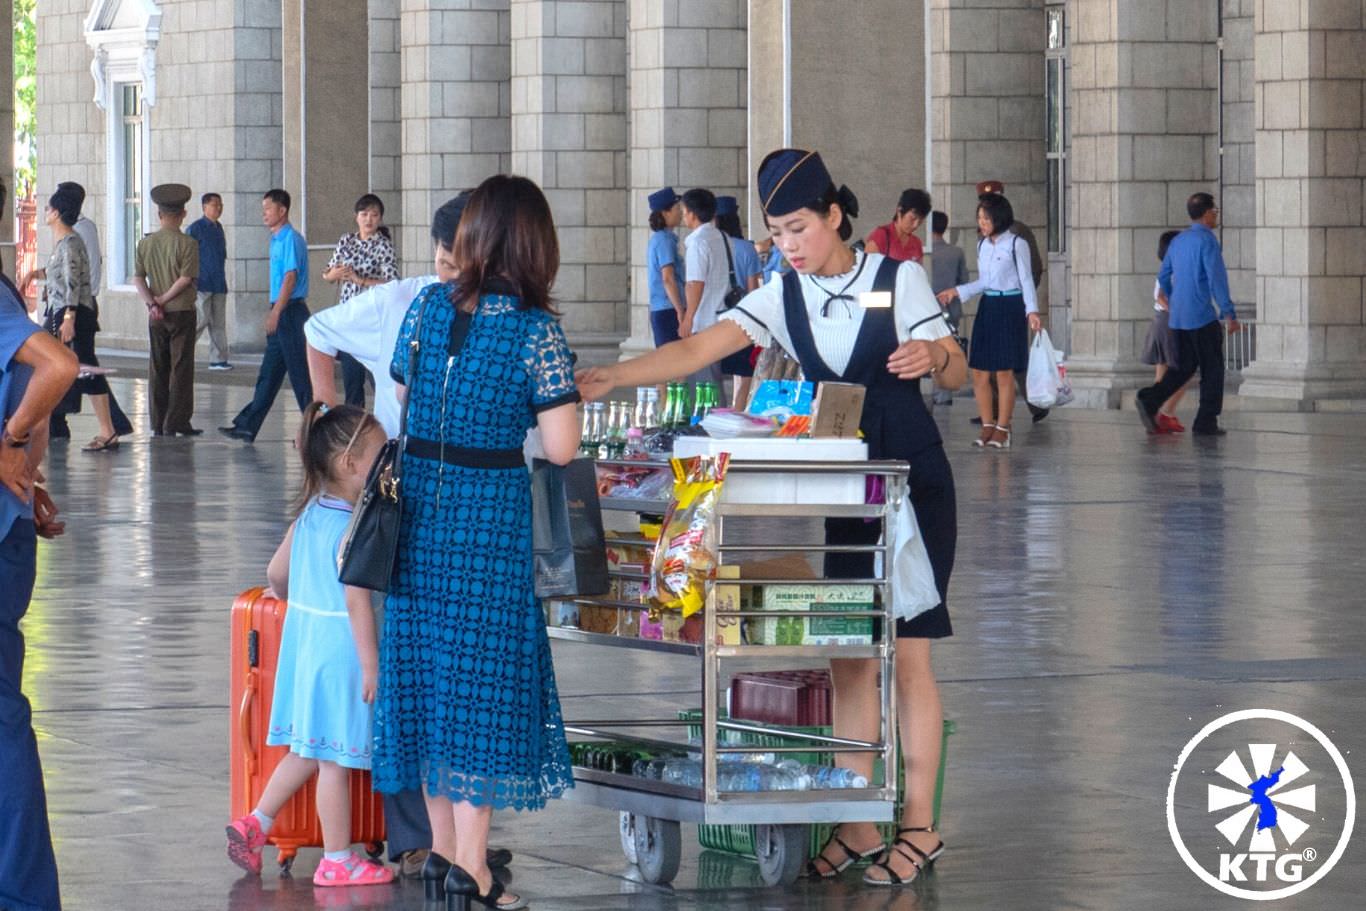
(369, 549)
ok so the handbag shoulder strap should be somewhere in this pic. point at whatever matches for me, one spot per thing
(730, 261)
(414, 349)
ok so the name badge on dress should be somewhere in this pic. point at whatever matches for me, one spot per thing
(875, 300)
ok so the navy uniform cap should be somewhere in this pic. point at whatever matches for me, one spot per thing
(727, 205)
(791, 179)
(171, 195)
(660, 200)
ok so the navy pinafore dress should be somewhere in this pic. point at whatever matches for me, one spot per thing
(896, 425)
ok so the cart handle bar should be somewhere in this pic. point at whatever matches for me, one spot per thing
(879, 467)
(580, 727)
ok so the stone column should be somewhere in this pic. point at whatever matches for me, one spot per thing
(456, 108)
(569, 135)
(326, 109)
(1310, 258)
(687, 97)
(1143, 139)
(386, 77)
(1238, 165)
(987, 123)
(851, 86)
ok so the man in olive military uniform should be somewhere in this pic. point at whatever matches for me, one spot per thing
(165, 268)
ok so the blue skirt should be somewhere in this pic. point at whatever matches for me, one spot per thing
(1000, 334)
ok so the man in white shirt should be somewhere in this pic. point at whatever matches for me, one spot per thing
(707, 268)
(367, 326)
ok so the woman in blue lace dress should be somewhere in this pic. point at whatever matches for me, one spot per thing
(467, 708)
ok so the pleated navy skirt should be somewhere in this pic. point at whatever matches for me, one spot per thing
(1000, 334)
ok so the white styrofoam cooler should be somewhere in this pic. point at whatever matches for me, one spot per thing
(777, 487)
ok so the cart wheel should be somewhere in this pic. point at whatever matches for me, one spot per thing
(659, 849)
(627, 827)
(375, 850)
(781, 852)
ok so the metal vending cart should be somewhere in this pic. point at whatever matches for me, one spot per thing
(652, 810)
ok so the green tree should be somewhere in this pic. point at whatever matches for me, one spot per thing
(25, 97)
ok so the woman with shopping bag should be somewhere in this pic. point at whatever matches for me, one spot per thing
(1009, 309)
(816, 314)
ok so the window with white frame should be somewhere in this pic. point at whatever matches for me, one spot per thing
(1055, 116)
(123, 34)
(132, 180)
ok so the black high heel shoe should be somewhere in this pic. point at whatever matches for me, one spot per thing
(461, 890)
(434, 872)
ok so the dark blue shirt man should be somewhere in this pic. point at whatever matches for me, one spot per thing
(1195, 280)
(212, 298)
(286, 348)
(35, 372)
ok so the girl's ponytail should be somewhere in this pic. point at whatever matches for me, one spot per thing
(315, 474)
(327, 433)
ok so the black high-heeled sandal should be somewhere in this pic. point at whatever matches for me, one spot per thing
(434, 872)
(851, 857)
(923, 863)
(461, 889)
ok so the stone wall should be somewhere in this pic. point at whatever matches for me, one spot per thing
(456, 108)
(1309, 170)
(687, 95)
(386, 78)
(1237, 193)
(214, 126)
(1143, 139)
(569, 135)
(987, 122)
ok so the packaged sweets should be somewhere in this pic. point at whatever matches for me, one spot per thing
(685, 556)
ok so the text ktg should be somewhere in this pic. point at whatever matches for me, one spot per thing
(1289, 868)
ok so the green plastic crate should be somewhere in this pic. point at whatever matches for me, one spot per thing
(739, 839)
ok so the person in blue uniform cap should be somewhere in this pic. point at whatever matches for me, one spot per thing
(816, 313)
(746, 272)
(664, 266)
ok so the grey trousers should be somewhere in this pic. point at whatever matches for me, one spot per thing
(213, 316)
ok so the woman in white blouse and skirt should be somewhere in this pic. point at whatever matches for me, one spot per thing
(813, 313)
(1008, 311)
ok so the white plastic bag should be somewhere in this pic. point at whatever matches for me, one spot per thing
(912, 576)
(1046, 384)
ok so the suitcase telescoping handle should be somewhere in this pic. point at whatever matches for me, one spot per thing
(244, 723)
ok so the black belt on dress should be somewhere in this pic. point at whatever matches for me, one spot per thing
(464, 456)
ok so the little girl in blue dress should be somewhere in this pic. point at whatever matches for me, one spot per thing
(328, 666)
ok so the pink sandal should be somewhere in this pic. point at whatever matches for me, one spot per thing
(353, 872)
(245, 842)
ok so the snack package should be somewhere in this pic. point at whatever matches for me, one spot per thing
(782, 399)
(685, 556)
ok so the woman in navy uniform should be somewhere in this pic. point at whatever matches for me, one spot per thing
(814, 314)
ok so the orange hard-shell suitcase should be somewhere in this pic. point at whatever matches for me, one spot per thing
(258, 619)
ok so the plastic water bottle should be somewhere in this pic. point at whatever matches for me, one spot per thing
(829, 777)
(684, 772)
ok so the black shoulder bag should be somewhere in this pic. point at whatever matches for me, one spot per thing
(735, 292)
(369, 548)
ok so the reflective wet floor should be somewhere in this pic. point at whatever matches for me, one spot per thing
(1113, 595)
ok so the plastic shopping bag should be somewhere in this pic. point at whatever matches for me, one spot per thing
(912, 576)
(1046, 384)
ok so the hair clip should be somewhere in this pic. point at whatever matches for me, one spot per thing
(322, 409)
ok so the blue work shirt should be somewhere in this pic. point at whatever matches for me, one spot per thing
(288, 253)
(773, 264)
(663, 251)
(746, 260)
(15, 330)
(1192, 275)
(213, 256)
